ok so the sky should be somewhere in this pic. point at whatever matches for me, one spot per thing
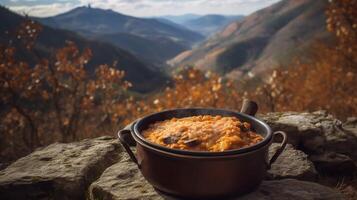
(141, 8)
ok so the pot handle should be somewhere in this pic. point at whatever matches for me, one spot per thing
(127, 140)
(249, 107)
(280, 149)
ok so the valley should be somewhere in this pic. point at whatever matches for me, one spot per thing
(261, 41)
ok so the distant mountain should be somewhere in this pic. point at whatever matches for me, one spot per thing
(143, 77)
(108, 21)
(153, 51)
(98, 23)
(180, 19)
(262, 41)
(210, 24)
(171, 23)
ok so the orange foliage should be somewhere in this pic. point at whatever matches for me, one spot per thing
(328, 79)
(342, 21)
(193, 88)
(56, 96)
(324, 83)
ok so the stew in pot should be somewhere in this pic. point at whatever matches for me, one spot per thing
(202, 133)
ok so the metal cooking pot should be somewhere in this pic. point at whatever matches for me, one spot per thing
(197, 174)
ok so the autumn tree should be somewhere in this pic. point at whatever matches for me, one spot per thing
(16, 82)
(342, 21)
(194, 88)
(326, 79)
(56, 97)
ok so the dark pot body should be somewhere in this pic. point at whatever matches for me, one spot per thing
(199, 175)
(206, 177)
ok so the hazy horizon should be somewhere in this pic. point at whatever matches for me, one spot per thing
(139, 8)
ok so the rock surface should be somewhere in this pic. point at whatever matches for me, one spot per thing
(333, 163)
(303, 129)
(316, 133)
(59, 171)
(290, 189)
(291, 163)
(122, 181)
(351, 125)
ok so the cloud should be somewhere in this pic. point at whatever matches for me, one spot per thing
(43, 10)
(142, 7)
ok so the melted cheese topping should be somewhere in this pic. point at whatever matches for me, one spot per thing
(202, 133)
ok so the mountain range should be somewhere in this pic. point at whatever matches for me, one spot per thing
(149, 39)
(143, 75)
(235, 46)
(210, 24)
(261, 41)
(180, 19)
(206, 25)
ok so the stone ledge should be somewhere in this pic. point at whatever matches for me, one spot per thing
(59, 171)
(291, 163)
(316, 132)
(290, 189)
(123, 180)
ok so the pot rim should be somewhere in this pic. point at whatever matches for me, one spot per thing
(141, 140)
